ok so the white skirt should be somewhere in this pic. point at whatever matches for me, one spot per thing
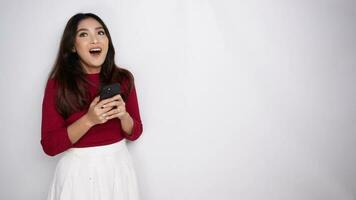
(95, 173)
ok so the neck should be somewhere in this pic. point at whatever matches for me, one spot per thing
(91, 70)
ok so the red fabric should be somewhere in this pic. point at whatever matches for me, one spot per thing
(54, 135)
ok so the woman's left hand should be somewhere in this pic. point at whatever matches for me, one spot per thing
(119, 111)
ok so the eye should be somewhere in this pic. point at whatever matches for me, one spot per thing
(83, 34)
(101, 32)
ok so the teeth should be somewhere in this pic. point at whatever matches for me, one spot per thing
(95, 49)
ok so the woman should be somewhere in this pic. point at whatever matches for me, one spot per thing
(91, 133)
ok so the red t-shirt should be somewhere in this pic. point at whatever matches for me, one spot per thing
(54, 135)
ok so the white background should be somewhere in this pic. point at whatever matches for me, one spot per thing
(239, 99)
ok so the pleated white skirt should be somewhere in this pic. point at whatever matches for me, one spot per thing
(95, 173)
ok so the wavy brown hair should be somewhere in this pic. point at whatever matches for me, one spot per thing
(68, 73)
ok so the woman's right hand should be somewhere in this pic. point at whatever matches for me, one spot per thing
(96, 114)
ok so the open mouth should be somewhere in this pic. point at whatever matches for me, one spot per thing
(95, 51)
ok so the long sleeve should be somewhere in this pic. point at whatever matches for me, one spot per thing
(54, 135)
(133, 109)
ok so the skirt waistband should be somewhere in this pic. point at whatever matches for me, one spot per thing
(99, 150)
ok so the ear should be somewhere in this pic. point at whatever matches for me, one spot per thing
(73, 50)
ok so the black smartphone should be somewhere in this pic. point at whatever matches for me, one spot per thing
(110, 91)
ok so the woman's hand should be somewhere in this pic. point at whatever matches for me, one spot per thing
(95, 114)
(118, 105)
(101, 112)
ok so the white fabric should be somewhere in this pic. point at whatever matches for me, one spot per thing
(95, 173)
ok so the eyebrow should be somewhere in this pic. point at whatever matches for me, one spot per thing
(85, 29)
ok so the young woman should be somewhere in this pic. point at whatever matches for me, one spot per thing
(90, 133)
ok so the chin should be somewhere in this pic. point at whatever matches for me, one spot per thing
(97, 64)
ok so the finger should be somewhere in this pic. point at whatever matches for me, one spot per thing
(118, 97)
(114, 98)
(103, 120)
(114, 103)
(100, 110)
(112, 116)
(111, 112)
(116, 110)
(104, 116)
(95, 101)
(117, 115)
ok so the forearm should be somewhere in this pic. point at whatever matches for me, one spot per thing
(79, 128)
(127, 123)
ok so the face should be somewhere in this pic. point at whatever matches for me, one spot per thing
(91, 45)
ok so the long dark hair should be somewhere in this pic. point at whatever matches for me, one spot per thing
(67, 72)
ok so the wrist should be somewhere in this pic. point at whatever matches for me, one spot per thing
(125, 116)
(87, 121)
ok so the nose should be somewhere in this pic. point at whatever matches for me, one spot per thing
(93, 39)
